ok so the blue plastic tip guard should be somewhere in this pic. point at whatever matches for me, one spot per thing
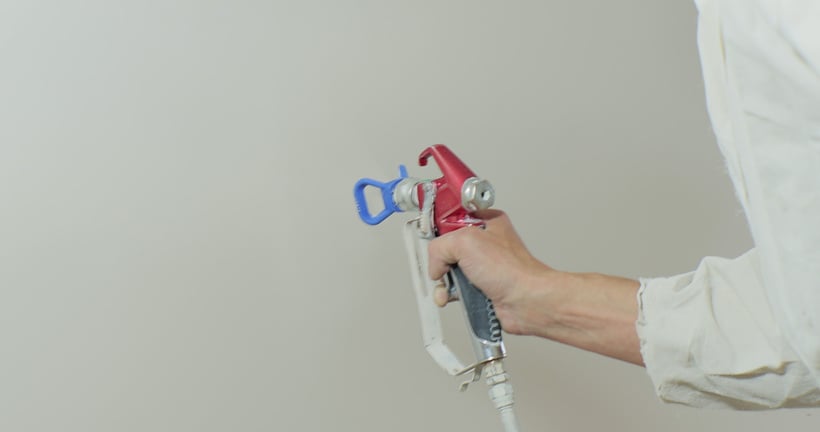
(386, 188)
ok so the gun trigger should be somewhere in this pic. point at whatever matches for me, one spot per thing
(452, 293)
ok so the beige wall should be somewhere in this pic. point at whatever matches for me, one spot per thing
(178, 244)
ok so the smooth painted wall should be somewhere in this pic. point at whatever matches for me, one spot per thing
(179, 249)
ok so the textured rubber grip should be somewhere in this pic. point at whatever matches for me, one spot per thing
(480, 311)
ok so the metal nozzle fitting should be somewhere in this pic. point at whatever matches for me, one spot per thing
(405, 194)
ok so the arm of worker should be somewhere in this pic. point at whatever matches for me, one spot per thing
(707, 338)
(590, 311)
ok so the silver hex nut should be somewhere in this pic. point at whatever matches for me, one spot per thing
(477, 194)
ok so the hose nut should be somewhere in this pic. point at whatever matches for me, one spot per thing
(477, 194)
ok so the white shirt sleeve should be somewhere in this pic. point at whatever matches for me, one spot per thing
(709, 339)
(745, 333)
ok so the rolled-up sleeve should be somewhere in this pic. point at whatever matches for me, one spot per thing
(709, 339)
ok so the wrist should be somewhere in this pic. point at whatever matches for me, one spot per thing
(546, 301)
(532, 307)
(591, 311)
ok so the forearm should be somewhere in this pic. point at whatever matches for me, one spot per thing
(590, 311)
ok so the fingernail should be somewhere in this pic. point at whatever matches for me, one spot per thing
(440, 296)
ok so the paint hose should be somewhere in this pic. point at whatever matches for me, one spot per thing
(501, 394)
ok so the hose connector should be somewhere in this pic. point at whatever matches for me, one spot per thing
(501, 393)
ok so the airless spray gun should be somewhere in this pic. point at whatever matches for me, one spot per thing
(444, 205)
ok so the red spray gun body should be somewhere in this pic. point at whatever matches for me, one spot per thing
(444, 205)
(459, 192)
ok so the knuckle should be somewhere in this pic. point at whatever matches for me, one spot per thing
(467, 237)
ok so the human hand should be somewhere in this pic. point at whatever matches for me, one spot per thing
(495, 260)
(590, 311)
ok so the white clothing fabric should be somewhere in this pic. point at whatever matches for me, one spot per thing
(745, 333)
